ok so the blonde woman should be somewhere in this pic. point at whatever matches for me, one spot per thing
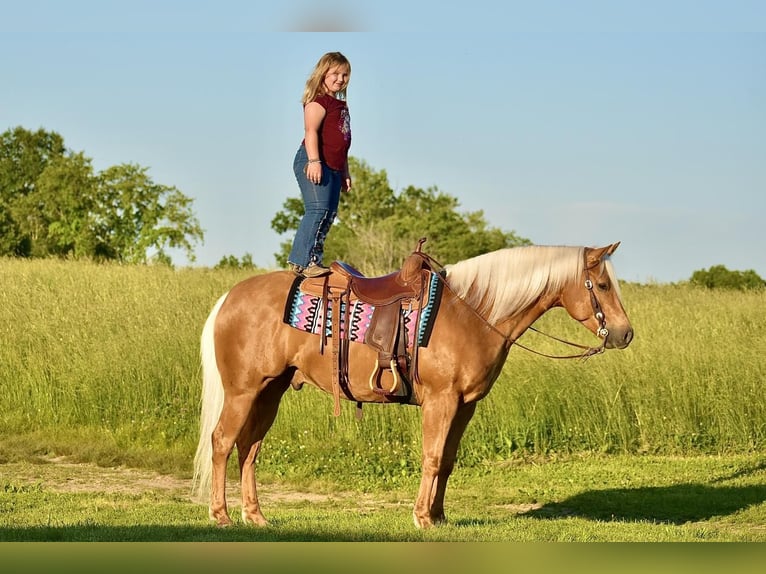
(321, 162)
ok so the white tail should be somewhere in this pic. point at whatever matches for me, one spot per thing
(212, 404)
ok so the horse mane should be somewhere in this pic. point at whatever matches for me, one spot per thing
(501, 283)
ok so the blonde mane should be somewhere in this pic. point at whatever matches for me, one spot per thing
(503, 282)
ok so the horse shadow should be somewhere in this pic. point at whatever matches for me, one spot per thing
(676, 504)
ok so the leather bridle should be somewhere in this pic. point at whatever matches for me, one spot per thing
(598, 313)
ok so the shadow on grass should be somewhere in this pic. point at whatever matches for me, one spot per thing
(671, 504)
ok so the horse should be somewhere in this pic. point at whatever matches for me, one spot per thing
(251, 357)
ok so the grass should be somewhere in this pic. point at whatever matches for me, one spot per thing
(107, 355)
(100, 363)
(586, 498)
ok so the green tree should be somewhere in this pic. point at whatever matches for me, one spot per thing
(59, 213)
(231, 262)
(24, 155)
(719, 277)
(377, 228)
(135, 215)
(53, 204)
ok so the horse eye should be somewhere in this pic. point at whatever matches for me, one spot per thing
(603, 286)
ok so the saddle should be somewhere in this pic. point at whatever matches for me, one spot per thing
(386, 334)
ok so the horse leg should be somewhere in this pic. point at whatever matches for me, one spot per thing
(459, 423)
(444, 421)
(261, 418)
(234, 414)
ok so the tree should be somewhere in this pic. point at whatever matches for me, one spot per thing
(377, 228)
(52, 203)
(24, 155)
(719, 277)
(134, 216)
(231, 262)
(59, 215)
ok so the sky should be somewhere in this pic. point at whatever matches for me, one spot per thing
(569, 123)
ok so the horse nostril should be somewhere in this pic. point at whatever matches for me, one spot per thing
(628, 337)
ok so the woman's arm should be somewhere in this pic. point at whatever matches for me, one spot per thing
(313, 114)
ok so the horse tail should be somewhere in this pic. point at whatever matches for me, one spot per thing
(212, 404)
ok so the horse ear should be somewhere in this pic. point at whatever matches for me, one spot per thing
(594, 255)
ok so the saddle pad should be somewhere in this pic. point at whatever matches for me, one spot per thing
(303, 310)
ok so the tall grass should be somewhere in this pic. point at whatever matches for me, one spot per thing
(101, 362)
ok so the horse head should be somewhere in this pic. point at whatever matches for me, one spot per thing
(594, 299)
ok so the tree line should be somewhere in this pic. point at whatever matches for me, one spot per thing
(53, 203)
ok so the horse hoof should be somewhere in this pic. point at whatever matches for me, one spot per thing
(428, 521)
(255, 520)
(422, 523)
(221, 520)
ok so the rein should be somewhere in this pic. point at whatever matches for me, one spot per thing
(588, 351)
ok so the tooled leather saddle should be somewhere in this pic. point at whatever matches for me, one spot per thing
(390, 295)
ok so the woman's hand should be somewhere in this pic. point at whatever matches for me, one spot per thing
(314, 172)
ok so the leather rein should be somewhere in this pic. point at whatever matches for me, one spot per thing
(598, 313)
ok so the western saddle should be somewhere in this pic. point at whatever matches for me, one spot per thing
(386, 333)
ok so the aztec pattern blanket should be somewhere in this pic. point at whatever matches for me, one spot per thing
(303, 311)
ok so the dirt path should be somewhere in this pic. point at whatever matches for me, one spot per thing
(60, 475)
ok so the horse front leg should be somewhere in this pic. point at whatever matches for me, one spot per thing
(444, 420)
(459, 423)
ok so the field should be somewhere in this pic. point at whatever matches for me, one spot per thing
(99, 374)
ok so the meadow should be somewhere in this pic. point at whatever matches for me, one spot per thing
(99, 363)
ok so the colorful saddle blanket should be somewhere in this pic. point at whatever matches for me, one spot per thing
(303, 311)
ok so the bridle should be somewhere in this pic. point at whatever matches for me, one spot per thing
(598, 313)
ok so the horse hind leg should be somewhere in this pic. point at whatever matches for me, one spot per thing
(234, 414)
(262, 415)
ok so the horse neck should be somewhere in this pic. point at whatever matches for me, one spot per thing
(511, 325)
(514, 326)
(511, 302)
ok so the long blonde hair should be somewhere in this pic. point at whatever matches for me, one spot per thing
(315, 83)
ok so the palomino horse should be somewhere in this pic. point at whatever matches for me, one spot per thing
(251, 357)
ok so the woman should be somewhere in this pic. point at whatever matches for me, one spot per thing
(321, 162)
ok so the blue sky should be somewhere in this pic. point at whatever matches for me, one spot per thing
(577, 123)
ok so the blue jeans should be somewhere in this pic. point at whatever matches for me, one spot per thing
(320, 203)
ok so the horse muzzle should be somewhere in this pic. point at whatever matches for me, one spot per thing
(618, 338)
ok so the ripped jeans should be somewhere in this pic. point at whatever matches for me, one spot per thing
(320, 203)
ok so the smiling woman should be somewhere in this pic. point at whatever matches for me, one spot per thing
(321, 162)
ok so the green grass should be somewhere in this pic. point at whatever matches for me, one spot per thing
(586, 499)
(100, 363)
(659, 442)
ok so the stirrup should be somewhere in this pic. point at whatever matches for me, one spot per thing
(377, 369)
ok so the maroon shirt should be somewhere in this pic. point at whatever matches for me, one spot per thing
(334, 133)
